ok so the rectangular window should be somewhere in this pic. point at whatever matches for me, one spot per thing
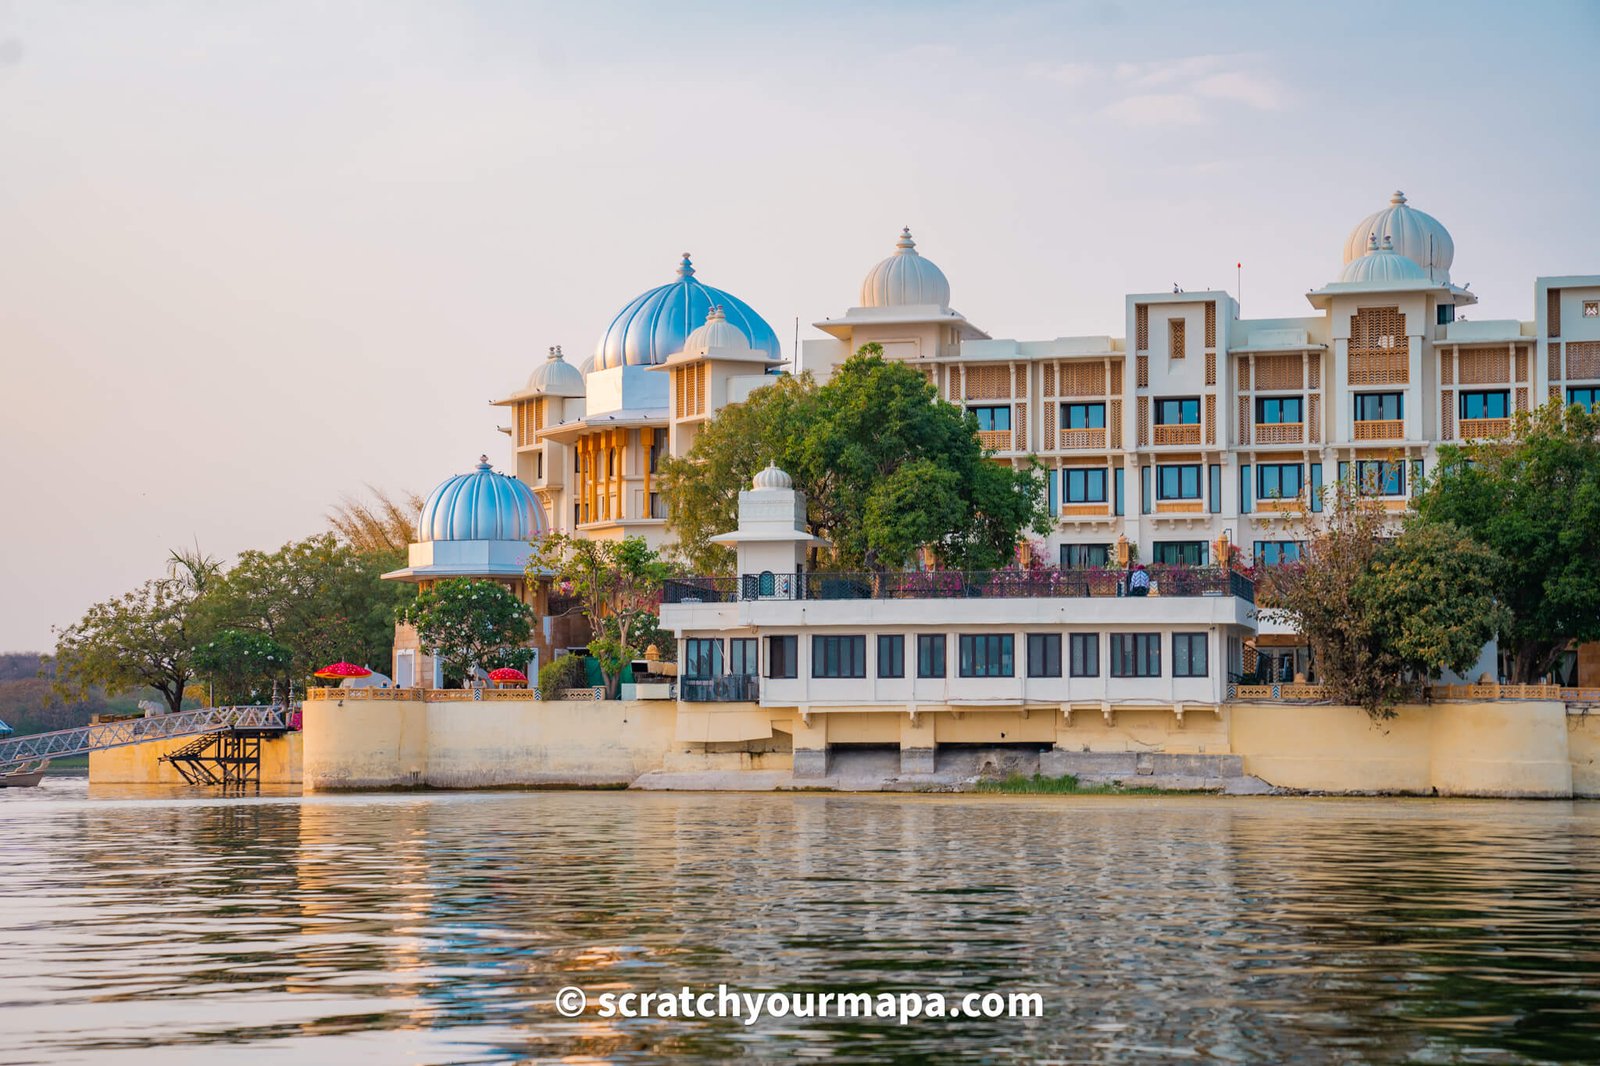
(1084, 556)
(1380, 477)
(1085, 484)
(1316, 487)
(1273, 552)
(1184, 411)
(1084, 651)
(1136, 655)
(892, 656)
(1144, 489)
(930, 655)
(1178, 481)
(1083, 416)
(1214, 492)
(702, 658)
(838, 656)
(1179, 552)
(1279, 481)
(1379, 406)
(1044, 654)
(1484, 404)
(1277, 410)
(1244, 488)
(539, 467)
(992, 418)
(986, 655)
(1052, 490)
(1588, 396)
(1188, 655)
(742, 657)
(1117, 503)
(783, 658)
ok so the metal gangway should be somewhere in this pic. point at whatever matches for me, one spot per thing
(17, 751)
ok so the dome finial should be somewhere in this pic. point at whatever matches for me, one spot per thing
(1372, 242)
(716, 314)
(1398, 198)
(905, 243)
(558, 352)
(1388, 245)
(483, 462)
(685, 268)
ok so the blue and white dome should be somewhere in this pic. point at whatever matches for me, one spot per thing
(482, 505)
(905, 279)
(656, 324)
(555, 377)
(1417, 236)
(1383, 266)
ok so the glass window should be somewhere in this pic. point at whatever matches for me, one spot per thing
(1179, 552)
(742, 656)
(1380, 477)
(1136, 655)
(1275, 410)
(1085, 484)
(702, 657)
(1084, 556)
(1273, 552)
(1178, 412)
(1485, 404)
(892, 656)
(930, 655)
(1178, 481)
(992, 418)
(1588, 396)
(1279, 481)
(783, 656)
(1379, 406)
(986, 655)
(1084, 650)
(1044, 654)
(1189, 655)
(838, 656)
(1083, 416)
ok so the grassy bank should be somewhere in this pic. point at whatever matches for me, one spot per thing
(1065, 785)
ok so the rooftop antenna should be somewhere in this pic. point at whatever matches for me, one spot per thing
(795, 365)
(1238, 288)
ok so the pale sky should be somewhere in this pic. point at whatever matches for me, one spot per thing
(254, 256)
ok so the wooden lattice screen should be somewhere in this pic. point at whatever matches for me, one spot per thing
(1211, 366)
(1447, 414)
(1314, 369)
(1279, 372)
(1114, 421)
(1485, 366)
(1019, 419)
(1447, 363)
(1047, 421)
(1141, 327)
(988, 383)
(1379, 348)
(1583, 360)
(1144, 372)
(1176, 328)
(1049, 382)
(1083, 379)
(1522, 399)
(1211, 324)
(1314, 418)
(1021, 380)
(1555, 361)
(1211, 418)
(1143, 403)
(1244, 372)
(1553, 312)
(1522, 364)
(1245, 420)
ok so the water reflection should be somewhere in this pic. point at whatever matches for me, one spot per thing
(436, 927)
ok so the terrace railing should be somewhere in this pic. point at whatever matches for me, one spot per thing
(956, 584)
(725, 688)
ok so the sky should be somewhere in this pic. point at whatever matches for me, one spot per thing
(255, 257)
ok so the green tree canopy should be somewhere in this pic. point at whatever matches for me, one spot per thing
(469, 624)
(242, 667)
(618, 588)
(143, 638)
(887, 468)
(1534, 500)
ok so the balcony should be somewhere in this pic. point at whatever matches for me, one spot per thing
(1280, 432)
(1180, 507)
(951, 584)
(725, 688)
(1082, 438)
(1381, 429)
(1188, 433)
(996, 440)
(1484, 428)
(1086, 510)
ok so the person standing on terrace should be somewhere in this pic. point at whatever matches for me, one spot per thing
(1139, 581)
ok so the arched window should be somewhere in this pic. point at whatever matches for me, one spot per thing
(766, 585)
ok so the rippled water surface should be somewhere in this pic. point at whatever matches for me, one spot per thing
(435, 928)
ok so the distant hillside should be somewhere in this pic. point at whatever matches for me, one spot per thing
(29, 706)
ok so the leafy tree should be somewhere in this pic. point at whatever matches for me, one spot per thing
(143, 638)
(1534, 500)
(618, 587)
(1381, 613)
(242, 667)
(562, 672)
(468, 624)
(386, 525)
(845, 444)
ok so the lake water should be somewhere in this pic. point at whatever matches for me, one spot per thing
(436, 927)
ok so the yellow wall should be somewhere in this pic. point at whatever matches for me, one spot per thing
(140, 764)
(1583, 748)
(1138, 729)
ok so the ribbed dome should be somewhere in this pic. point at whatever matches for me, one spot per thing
(1382, 264)
(772, 478)
(556, 377)
(657, 323)
(904, 279)
(717, 334)
(1416, 235)
(482, 505)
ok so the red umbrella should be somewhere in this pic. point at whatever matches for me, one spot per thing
(342, 670)
(507, 673)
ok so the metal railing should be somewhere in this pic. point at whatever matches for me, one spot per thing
(956, 584)
(725, 688)
(117, 734)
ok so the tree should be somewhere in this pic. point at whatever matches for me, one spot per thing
(618, 588)
(385, 526)
(1534, 500)
(470, 624)
(143, 638)
(242, 667)
(1381, 613)
(845, 444)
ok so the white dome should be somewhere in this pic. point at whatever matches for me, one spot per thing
(556, 377)
(1383, 265)
(716, 334)
(905, 278)
(1416, 235)
(772, 478)
(482, 505)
